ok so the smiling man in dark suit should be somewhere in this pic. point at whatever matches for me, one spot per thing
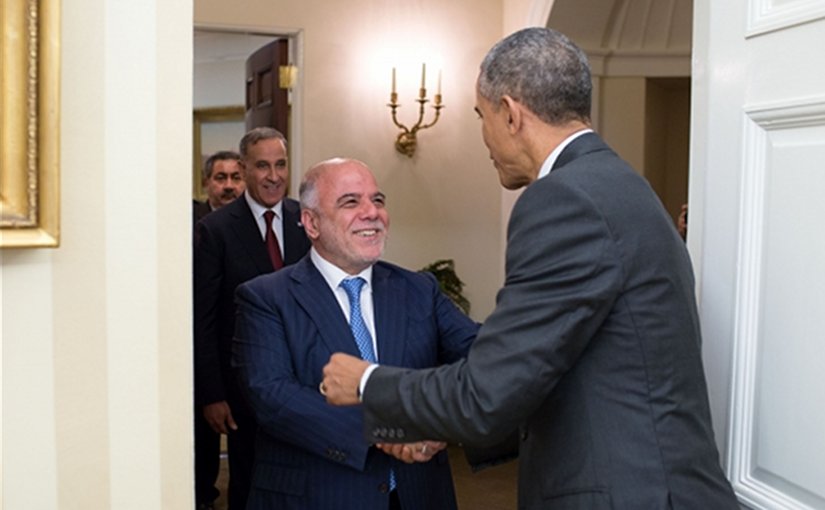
(593, 350)
(340, 297)
(257, 233)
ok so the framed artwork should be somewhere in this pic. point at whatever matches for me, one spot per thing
(29, 127)
(214, 129)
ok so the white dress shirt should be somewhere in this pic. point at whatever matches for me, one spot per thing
(551, 159)
(334, 275)
(277, 222)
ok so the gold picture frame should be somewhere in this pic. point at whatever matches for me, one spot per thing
(202, 119)
(29, 123)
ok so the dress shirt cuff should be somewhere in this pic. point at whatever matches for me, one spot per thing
(364, 378)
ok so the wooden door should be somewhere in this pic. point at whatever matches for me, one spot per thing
(267, 104)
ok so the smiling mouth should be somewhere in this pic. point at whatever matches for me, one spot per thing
(367, 232)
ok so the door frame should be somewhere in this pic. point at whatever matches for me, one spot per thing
(296, 53)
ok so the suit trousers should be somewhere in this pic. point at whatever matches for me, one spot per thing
(207, 460)
(241, 450)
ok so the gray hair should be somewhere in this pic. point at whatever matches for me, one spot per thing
(257, 134)
(218, 156)
(543, 70)
(308, 190)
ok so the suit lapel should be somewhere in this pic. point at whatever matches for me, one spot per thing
(389, 303)
(249, 236)
(313, 294)
(295, 242)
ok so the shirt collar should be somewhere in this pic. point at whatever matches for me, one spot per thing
(258, 210)
(551, 159)
(334, 274)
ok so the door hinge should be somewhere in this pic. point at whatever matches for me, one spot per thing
(287, 76)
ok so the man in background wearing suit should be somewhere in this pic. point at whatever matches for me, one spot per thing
(258, 233)
(593, 349)
(310, 455)
(222, 181)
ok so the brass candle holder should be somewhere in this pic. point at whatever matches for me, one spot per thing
(406, 141)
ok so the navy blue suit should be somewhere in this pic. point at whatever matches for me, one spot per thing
(229, 250)
(313, 456)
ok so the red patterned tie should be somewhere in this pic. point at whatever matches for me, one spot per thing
(272, 242)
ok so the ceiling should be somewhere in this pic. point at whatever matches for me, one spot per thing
(626, 26)
(214, 46)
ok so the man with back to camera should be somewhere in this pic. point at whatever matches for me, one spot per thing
(258, 233)
(340, 297)
(223, 182)
(593, 350)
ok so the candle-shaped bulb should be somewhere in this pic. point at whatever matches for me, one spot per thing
(423, 75)
(439, 83)
(393, 80)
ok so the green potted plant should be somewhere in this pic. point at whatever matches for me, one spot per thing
(450, 283)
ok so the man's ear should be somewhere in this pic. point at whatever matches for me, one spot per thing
(310, 222)
(513, 111)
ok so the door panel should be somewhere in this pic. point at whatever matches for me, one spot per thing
(267, 104)
(756, 212)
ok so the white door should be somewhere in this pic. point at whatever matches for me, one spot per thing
(755, 232)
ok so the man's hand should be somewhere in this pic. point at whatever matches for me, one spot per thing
(342, 375)
(219, 417)
(421, 451)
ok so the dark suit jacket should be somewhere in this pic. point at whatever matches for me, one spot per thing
(228, 251)
(313, 456)
(199, 210)
(593, 350)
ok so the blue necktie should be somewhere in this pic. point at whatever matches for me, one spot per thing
(356, 321)
(359, 329)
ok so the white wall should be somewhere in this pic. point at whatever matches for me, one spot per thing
(445, 201)
(96, 333)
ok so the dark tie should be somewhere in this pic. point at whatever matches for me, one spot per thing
(359, 329)
(272, 242)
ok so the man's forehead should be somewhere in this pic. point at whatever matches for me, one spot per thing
(227, 164)
(261, 145)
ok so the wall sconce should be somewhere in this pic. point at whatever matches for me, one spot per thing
(405, 143)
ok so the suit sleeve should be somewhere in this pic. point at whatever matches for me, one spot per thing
(563, 275)
(455, 330)
(208, 282)
(284, 407)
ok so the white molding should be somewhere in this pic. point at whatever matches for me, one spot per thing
(746, 318)
(801, 112)
(539, 13)
(639, 63)
(764, 16)
(759, 120)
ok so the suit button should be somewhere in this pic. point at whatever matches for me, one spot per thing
(400, 433)
(391, 433)
(383, 488)
(524, 435)
(330, 453)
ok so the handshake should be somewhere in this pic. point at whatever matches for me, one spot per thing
(421, 451)
(342, 376)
